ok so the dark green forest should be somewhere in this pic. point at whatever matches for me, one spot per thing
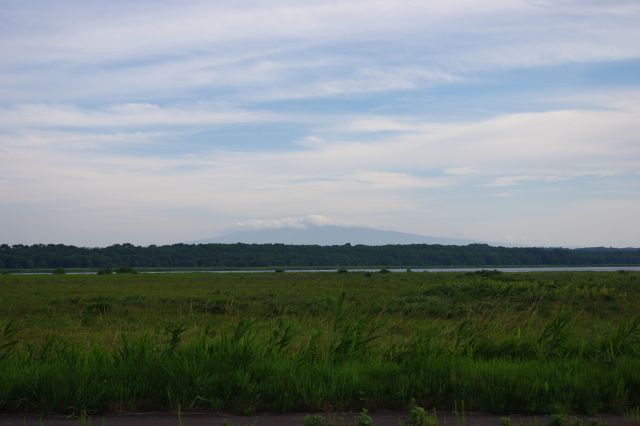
(281, 255)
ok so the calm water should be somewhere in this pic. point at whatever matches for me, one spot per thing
(256, 271)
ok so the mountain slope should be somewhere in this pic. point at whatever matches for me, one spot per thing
(329, 235)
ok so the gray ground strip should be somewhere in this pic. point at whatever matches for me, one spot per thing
(381, 418)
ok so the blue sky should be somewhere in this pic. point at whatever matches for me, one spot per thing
(162, 121)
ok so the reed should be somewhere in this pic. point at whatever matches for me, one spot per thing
(531, 343)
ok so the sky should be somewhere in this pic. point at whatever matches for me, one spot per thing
(154, 122)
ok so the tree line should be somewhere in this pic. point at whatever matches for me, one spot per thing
(272, 255)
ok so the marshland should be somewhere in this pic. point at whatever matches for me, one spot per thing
(538, 342)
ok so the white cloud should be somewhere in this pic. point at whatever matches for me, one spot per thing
(61, 140)
(287, 222)
(366, 81)
(375, 183)
(88, 89)
(270, 50)
(509, 180)
(548, 146)
(459, 171)
(394, 180)
(82, 31)
(582, 223)
(550, 143)
(127, 115)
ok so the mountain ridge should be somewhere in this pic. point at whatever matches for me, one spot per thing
(328, 235)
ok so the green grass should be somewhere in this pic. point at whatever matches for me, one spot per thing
(528, 342)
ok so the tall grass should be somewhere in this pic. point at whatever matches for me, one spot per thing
(245, 370)
(499, 343)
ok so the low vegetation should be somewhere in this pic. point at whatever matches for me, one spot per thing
(529, 342)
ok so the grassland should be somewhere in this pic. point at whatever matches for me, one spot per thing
(527, 342)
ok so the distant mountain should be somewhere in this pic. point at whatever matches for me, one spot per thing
(328, 235)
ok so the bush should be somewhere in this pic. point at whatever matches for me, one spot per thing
(279, 271)
(314, 420)
(99, 308)
(364, 419)
(562, 420)
(418, 416)
(59, 271)
(342, 271)
(105, 271)
(486, 273)
(126, 270)
(384, 271)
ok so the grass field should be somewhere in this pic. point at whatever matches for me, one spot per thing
(538, 342)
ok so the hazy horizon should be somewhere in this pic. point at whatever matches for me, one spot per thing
(152, 122)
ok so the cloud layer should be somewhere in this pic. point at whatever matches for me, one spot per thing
(157, 122)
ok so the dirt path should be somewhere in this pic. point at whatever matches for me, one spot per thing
(381, 418)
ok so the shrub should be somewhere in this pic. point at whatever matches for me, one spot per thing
(561, 420)
(364, 419)
(314, 420)
(418, 416)
(105, 271)
(126, 270)
(384, 271)
(486, 273)
(59, 271)
(99, 308)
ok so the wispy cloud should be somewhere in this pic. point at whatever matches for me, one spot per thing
(397, 114)
(293, 50)
(394, 180)
(509, 180)
(127, 115)
(345, 180)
